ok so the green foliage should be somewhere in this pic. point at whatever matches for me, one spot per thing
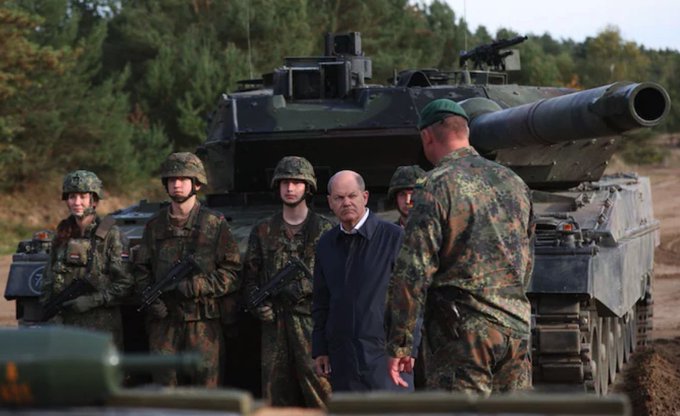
(538, 68)
(12, 233)
(609, 58)
(72, 118)
(25, 66)
(639, 149)
(665, 67)
(185, 80)
(115, 85)
(152, 147)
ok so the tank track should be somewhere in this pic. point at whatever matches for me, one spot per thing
(575, 348)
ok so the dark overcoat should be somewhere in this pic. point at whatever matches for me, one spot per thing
(351, 276)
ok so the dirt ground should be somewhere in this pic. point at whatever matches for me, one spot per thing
(652, 380)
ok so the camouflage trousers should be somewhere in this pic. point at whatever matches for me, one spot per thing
(288, 376)
(484, 358)
(168, 336)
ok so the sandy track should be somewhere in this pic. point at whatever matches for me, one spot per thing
(7, 311)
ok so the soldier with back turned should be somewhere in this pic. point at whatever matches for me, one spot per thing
(464, 265)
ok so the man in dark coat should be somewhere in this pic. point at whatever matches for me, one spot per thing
(354, 262)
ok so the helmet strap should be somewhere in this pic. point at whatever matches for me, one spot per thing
(88, 211)
(302, 199)
(181, 199)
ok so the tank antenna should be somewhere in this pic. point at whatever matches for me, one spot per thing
(250, 61)
(466, 24)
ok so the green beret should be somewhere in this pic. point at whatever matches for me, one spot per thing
(438, 110)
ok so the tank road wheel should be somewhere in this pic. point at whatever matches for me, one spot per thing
(609, 340)
(587, 363)
(633, 330)
(595, 361)
(627, 330)
(619, 342)
(600, 356)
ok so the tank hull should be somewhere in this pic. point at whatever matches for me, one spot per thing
(591, 284)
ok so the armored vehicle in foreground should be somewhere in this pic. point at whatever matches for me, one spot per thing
(591, 289)
(58, 370)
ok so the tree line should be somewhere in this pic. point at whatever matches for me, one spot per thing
(115, 85)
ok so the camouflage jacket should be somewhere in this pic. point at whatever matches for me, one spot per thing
(270, 248)
(470, 231)
(109, 271)
(207, 236)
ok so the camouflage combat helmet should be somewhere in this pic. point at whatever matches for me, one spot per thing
(404, 177)
(183, 164)
(295, 167)
(81, 181)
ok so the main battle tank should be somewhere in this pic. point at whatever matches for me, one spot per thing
(591, 285)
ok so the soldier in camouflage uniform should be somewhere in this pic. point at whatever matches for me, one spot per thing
(186, 317)
(401, 189)
(90, 248)
(288, 376)
(465, 261)
(401, 192)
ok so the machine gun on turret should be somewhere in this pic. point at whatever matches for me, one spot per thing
(491, 55)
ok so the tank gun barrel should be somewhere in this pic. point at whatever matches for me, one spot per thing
(145, 363)
(599, 112)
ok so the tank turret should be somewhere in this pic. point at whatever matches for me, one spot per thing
(552, 137)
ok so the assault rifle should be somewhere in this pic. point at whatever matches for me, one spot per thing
(490, 55)
(182, 269)
(274, 286)
(76, 288)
